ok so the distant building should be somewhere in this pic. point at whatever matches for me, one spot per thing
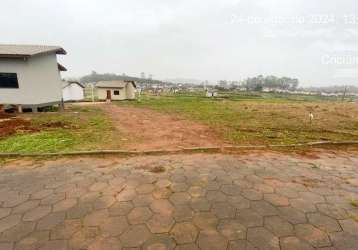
(223, 84)
(265, 89)
(116, 90)
(211, 93)
(30, 75)
(72, 91)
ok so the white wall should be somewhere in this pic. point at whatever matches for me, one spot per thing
(72, 92)
(126, 93)
(38, 77)
(130, 91)
(102, 94)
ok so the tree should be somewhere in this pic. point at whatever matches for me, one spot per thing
(272, 82)
(96, 77)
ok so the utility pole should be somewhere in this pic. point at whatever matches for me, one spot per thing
(344, 93)
(92, 89)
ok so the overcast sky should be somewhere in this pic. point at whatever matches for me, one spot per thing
(313, 40)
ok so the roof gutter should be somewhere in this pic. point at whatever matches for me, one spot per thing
(18, 56)
(59, 51)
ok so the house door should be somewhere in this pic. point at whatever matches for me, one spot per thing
(109, 97)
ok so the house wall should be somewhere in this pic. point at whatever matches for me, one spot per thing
(72, 92)
(102, 94)
(39, 80)
(130, 91)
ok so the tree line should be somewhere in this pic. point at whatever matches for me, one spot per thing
(96, 77)
(260, 82)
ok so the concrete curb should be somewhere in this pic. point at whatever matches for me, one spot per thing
(179, 151)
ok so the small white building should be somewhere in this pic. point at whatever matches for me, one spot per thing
(116, 90)
(211, 94)
(30, 75)
(72, 91)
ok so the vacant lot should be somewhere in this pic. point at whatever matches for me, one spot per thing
(77, 128)
(145, 129)
(261, 120)
(102, 126)
(158, 122)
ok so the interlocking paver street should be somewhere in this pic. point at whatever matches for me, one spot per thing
(260, 200)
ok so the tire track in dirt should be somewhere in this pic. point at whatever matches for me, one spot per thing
(145, 129)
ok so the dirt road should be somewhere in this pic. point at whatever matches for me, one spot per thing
(145, 129)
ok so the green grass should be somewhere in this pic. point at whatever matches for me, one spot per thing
(263, 96)
(239, 118)
(277, 97)
(256, 118)
(46, 141)
(79, 129)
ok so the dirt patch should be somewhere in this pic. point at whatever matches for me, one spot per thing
(157, 170)
(4, 115)
(308, 182)
(58, 124)
(152, 169)
(146, 129)
(12, 125)
(309, 155)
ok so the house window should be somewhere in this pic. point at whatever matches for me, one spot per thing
(9, 81)
(116, 92)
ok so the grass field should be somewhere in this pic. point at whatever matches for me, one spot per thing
(241, 119)
(253, 119)
(78, 128)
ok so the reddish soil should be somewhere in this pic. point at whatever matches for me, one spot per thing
(309, 155)
(145, 129)
(10, 126)
(4, 115)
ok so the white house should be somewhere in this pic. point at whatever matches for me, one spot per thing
(72, 91)
(30, 75)
(211, 93)
(116, 90)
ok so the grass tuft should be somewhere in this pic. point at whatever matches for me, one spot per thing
(157, 169)
(354, 203)
(355, 217)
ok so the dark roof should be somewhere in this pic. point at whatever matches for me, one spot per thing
(114, 84)
(25, 51)
(61, 67)
(67, 83)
